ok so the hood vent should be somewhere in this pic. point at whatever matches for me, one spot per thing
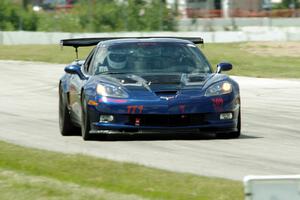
(163, 79)
(166, 93)
(197, 78)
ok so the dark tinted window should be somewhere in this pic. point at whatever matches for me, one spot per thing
(152, 57)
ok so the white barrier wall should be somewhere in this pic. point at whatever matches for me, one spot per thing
(202, 24)
(248, 34)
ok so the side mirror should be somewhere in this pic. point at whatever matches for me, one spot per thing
(223, 67)
(75, 69)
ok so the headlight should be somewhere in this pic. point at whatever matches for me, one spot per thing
(219, 89)
(108, 90)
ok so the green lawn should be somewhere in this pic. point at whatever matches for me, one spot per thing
(45, 53)
(37, 174)
(245, 61)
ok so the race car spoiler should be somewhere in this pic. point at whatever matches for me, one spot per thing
(84, 42)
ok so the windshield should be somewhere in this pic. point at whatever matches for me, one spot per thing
(151, 57)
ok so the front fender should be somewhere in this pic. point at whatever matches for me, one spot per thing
(65, 83)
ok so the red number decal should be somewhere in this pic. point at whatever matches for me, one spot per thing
(134, 109)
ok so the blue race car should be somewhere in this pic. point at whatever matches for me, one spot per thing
(146, 84)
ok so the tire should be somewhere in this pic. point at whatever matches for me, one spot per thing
(66, 126)
(235, 134)
(85, 120)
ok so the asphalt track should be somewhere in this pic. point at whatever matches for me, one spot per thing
(270, 141)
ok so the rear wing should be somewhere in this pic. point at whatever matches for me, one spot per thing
(85, 42)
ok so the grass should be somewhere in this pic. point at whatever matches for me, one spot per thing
(245, 62)
(44, 53)
(38, 174)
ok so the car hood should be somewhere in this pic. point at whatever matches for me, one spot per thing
(142, 85)
(158, 81)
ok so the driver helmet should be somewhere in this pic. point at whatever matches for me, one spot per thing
(116, 60)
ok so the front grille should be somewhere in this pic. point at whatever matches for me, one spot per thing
(168, 120)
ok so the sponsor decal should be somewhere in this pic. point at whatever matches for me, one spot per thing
(135, 109)
(218, 104)
(111, 100)
(182, 108)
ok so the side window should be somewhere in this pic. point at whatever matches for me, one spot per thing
(87, 63)
(99, 62)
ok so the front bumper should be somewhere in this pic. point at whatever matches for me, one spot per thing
(136, 123)
(200, 114)
(220, 128)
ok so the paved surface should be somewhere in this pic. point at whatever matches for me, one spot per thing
(270, 141)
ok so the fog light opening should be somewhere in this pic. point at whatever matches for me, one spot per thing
(106, 118)
(226, 116)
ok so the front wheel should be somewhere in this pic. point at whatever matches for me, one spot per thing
(66, 126)
(85, 120)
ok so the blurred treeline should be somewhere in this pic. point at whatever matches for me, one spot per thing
(14, 17)
(287, 4)
(90, 16)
